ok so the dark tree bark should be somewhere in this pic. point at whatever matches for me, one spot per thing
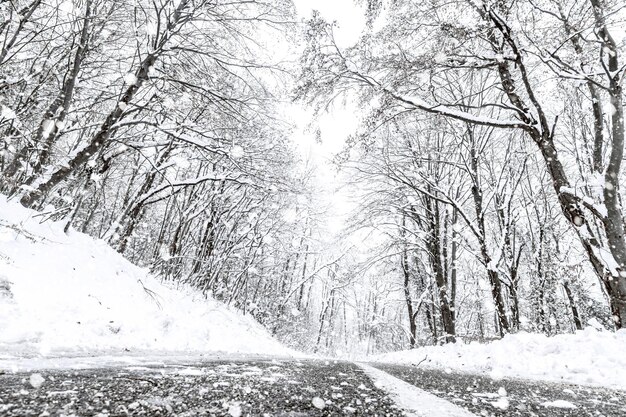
(492, 275)
(436, 258)
(572, 303)
(406, 273)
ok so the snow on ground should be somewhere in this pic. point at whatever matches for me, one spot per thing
(71, 295)
(559, 404)
(414, 401)
(588, 357)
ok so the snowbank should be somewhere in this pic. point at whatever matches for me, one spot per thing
(589, 357)
(66, 295)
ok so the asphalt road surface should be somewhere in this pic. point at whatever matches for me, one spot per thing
(279, 388)
(484, 396)
(258, 388)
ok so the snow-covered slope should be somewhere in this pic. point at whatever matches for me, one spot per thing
(589, 357)
(69, 294)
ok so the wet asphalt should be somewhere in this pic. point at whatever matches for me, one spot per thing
(484, 396)
(257, 388)
(280, 388)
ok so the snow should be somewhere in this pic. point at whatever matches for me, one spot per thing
(36, 380)
(6, 113)
(48, 127)
(318, 403)
(454, 113)
(611, 110)
(559, 404)
(607, 259)
(72, 295)
(588, 357)
(237, 152)
(234, 410)
(130, 79)
(502, 403)
(414, 401)
(599, 208)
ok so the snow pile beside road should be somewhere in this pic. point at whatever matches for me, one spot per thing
(588, 357)
(71, 294)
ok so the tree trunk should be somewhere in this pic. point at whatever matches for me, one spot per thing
(406, 273)
(572, 303)
(435, 258)
(408, 299)
(51, 122)
(492, 274)
(613, 277)
(25, 15)
(101, 138)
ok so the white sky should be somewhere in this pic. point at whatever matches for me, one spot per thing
(340, 121)
(350, 21)
(349, 17)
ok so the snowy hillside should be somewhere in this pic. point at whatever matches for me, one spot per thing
(67, 294)
(589, 357)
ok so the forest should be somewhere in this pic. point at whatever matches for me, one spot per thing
(483, 178)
